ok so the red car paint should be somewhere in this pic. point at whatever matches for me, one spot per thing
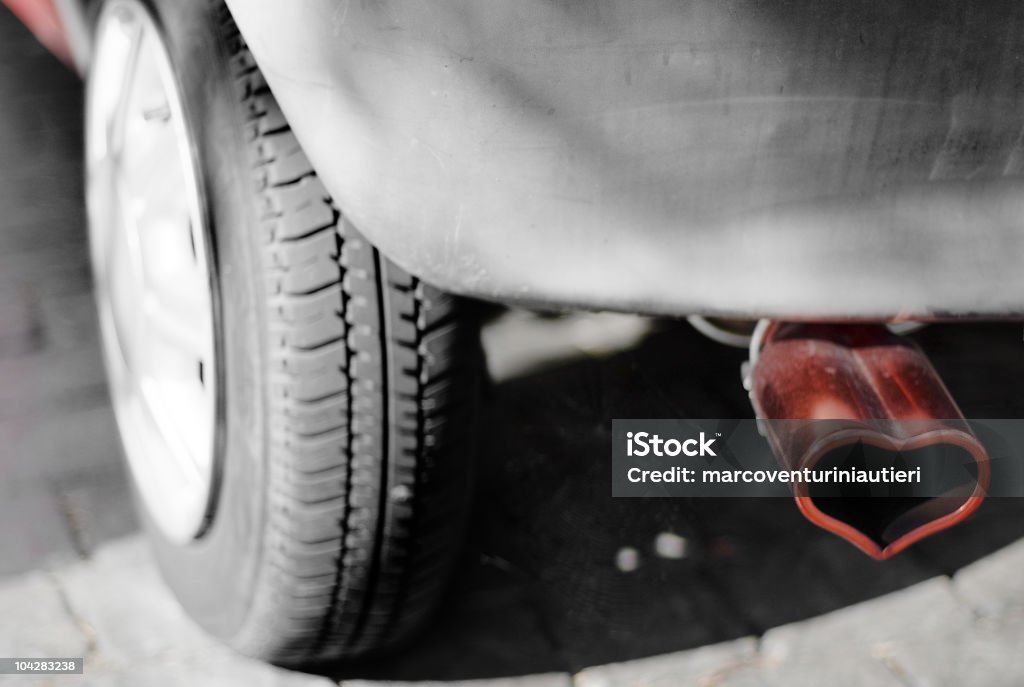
(43, 19)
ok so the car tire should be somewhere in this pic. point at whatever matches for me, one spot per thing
(347, 390)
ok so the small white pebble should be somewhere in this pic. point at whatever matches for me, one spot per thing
(589, 679)
(400, 493)
(627, 559)
(669, 545)
(882, 650)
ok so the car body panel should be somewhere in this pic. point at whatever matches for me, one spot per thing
(801, 159)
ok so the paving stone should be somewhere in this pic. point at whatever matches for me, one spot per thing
(51, 382)
(706, 665)
(98, 506)
(545, 680)
(921, 635)
(22, 325)
(63, 272)
(990, 653)
(69, 322)
(837, 671)
(982, 654)
(17, 238)
(34, 621)
(920, 611)
(52, 445)
(134, 618)
(35, 532)
(221, 671)
(994, 585)
(119, 615)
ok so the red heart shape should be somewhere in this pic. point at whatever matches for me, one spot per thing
(935, 514)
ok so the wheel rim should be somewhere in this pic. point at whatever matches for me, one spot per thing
(152, 268)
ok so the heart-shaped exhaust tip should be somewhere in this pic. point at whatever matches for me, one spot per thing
(858, 397)
(957, 470)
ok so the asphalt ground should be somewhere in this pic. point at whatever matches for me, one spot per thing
(558, 582)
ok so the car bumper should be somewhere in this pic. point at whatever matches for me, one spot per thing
(803, 159)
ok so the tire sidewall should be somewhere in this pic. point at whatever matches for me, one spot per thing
(214, 577)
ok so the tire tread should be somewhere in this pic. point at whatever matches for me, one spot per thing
(362, 382)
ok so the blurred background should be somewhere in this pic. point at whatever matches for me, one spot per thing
(558, 582)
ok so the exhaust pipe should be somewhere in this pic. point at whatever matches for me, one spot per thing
(860, 396)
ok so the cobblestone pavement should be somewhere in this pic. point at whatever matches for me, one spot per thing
(558, 582)
(113, 609)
